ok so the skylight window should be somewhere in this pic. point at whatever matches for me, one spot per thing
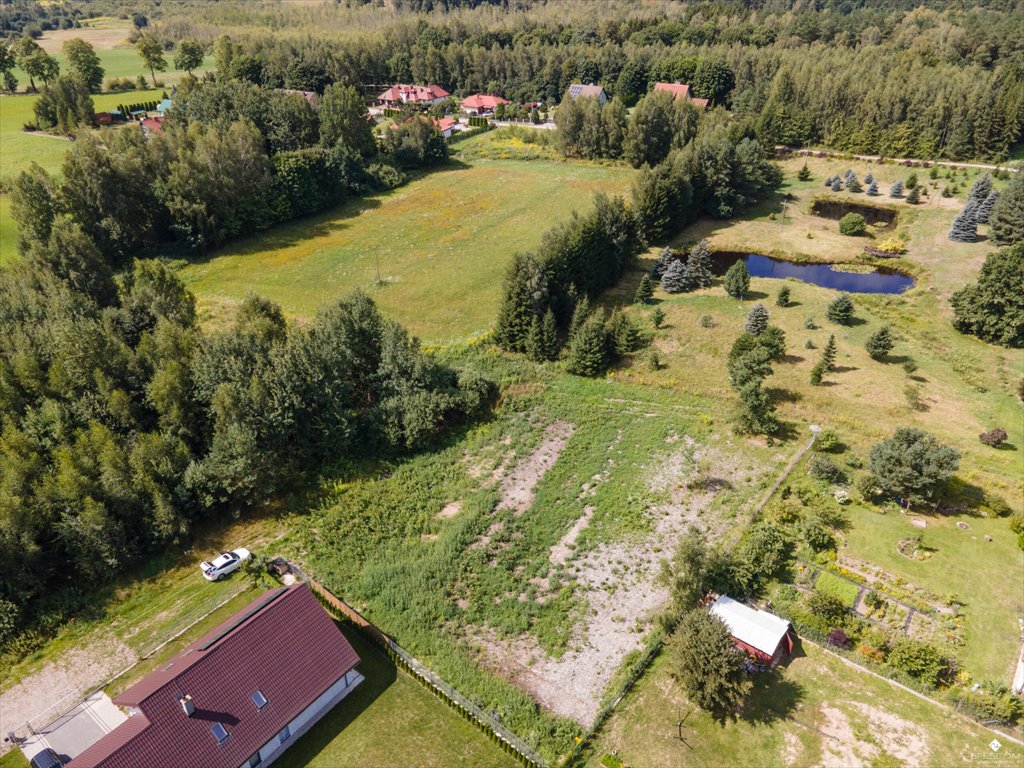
(220, 733)
(259, 700)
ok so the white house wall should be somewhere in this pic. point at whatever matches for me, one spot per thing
(308, 717)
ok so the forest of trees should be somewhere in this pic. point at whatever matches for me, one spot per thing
(868, 77)
(122, 423)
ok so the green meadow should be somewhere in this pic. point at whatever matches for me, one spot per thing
(431, 253)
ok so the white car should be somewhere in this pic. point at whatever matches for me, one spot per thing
(223, 564)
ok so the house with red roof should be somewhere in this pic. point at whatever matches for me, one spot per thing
(418, 95)
(240, 696)
(151, 126)
(764, 636)
(481, 103)
(681, 91)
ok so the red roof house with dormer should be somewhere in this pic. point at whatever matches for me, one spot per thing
(481, 103)
(417, 95)
(681, 91)
(239, 696)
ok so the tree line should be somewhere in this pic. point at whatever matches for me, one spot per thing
(924, 82)
(546, 294)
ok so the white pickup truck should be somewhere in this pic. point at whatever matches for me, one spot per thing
(223, 564)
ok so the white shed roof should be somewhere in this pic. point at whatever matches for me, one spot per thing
(758, 629)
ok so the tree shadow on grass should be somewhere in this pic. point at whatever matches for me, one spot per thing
(379, 674)
(774, 697)
(783, 395)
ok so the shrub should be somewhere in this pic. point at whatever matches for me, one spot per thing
(852, 224)
(912, 464)
(993, 437)
(589, 348)
(990, 701)
(824, 469)
(644, 291)
(707, 321)
(838, 638)
(827, 440)
(919, 660)
(782, 299)
(658, 317)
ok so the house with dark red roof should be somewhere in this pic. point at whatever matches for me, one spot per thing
(240, 696)
(417, 95)
(681, 91)
(481, 103)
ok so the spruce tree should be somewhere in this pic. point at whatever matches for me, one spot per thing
(914, 197)
(828, 181)
(782, 299)
(848, 174)
(984, 210)
(644, 291)
(840, 311)
(1006, 221)
(873, 188)
(869, 179)
(517, 310)
(805, 173)
(580, 313)
(737, 280)
(698, 266)
(828, 354)
(674, 279)
(817, 373)
(853, 185)
(964, 229)
(589, 347)
(663, 262)
(880, 343)
(981, 188)
(757, 320)
(896, 190)
(542, 344)
(911, 182)
(837, 184)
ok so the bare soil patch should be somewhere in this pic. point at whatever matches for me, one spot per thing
(57, 686)
(517, 488)
(619, 584)
(451, 509)
(101, 38)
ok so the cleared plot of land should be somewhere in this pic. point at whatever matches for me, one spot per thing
(961, 387)
(440, 244)
(553, 596)
(816, 711)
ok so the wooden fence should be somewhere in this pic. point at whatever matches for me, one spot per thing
(487, 723)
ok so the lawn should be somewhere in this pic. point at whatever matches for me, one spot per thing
(817, 710)
(833, 585)
(392, 719)
(440, 245)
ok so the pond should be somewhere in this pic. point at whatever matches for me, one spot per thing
(824, 275)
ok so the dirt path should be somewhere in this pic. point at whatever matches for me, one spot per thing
(875, 158)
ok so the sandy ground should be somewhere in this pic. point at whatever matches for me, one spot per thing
(886, 733)
(58, 685)
(619, 582)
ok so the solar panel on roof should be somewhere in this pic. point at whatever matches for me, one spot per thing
(242, 617)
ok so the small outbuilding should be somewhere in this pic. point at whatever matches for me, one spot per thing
(765, 636)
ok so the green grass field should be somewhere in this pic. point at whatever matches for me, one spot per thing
(817, 710)
(441, 244)
(391, 719)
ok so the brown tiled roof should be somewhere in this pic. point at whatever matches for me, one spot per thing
(482, 101)
(413, 94)
(283, 645)
(589, 90)
(678, 90)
